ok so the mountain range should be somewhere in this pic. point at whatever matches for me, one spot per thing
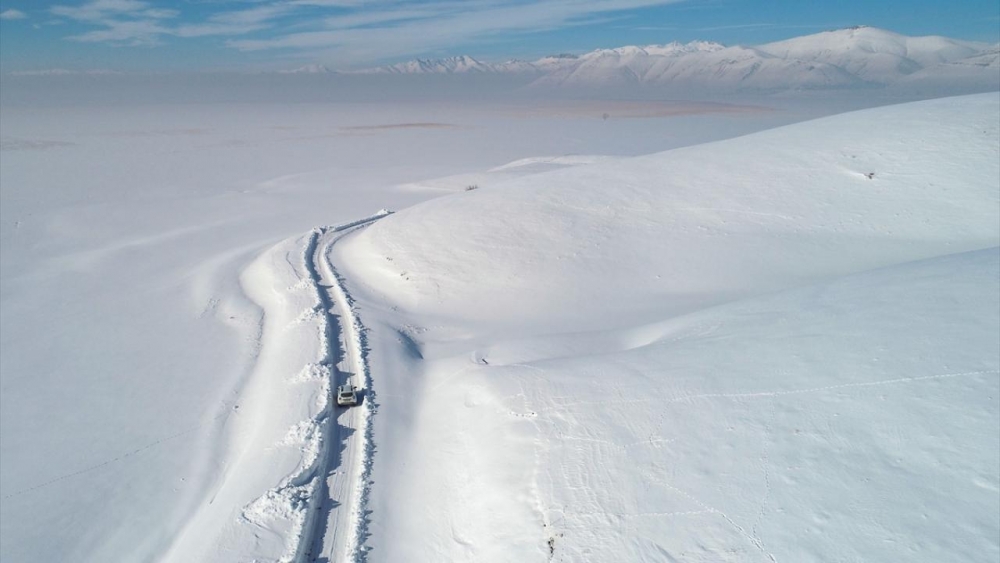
(844, 58)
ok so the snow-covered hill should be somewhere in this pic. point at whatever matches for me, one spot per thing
(872, 54)
(731, 68)
(656, 217)
(860, 56)
(782, 347)
(980, 71)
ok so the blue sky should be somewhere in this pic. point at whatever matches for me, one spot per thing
(159, 35)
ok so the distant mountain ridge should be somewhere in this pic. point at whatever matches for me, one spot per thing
(450, 65)
(857, 56)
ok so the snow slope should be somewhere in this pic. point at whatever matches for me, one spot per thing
(729, 69)
(781, 347)
(132, 358)
(683, 231)
(684, 354)
(874, 54)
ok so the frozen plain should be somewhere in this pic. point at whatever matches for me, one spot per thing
(771, 358)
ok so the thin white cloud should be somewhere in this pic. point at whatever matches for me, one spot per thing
(331, 3)
(64, 72)
(130, 32)
(213, 29)
(365, 19)
(236, 22)
(100, 11)
(341, 30)
(12, 14)
(137, 22)
(403, 29)
(257, 15)
(738, 26)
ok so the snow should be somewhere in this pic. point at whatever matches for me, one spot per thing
(656, 358)
(133, 368)
(874, 54)
(844, 58)
(777, 222)
(776, 347)
(459, 64)
(307, 69)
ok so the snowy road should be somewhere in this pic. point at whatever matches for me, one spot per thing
(298, 483)
(339, 537)
(333, 531)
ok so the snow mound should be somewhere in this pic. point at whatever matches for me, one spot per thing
(675, 231)
(781, 347)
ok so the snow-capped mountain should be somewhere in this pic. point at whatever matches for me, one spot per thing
(451, 65)
(872, 54)
(621, 56)
(515, 65)
(858, 56)
(710, 66)
(553, 62)
(308, 69)
(833, 59)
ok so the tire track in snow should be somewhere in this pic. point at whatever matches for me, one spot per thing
(354, 364)
(346, 472)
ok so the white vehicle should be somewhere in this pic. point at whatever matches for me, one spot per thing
(347, 395)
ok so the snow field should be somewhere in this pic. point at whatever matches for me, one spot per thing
(127, 337)
(848, 420)
(781, 347)
(630, 358)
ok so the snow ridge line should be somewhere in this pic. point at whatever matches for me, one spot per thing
(356, 344)
(343, 227)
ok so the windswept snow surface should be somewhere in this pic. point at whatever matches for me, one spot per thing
(781, 347)
(161, 358)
